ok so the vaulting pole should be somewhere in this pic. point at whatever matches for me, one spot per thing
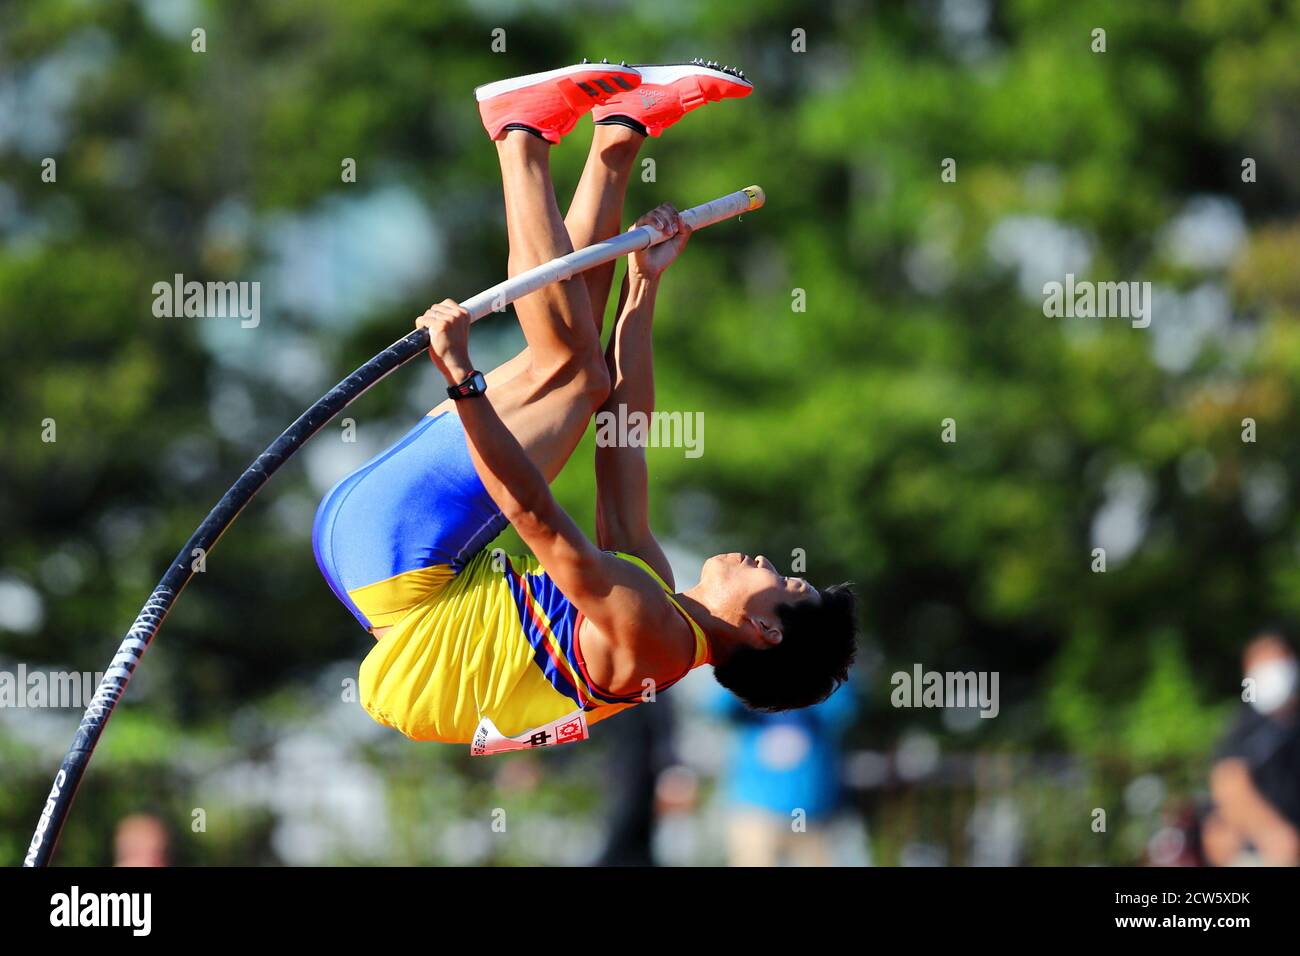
(163, 598)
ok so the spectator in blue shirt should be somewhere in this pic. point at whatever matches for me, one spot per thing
(782, 785)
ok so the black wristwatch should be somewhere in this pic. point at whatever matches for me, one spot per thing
(473, 386)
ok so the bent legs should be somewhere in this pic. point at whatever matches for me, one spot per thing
(547, 393)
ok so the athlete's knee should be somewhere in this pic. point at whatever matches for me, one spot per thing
(595, 381)
(582, 375)
(590, 377)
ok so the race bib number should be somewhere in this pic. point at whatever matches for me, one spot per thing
(489, 740)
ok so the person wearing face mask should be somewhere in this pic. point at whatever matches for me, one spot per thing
(1255, 779)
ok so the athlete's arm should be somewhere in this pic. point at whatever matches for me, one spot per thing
(618, 598)
(622, 479)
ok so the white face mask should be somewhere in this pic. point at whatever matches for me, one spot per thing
(1274, 681)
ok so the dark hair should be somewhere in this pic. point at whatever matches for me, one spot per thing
(1279, 630)
(818, 641)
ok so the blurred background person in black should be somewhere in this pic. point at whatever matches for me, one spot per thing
(640, 749)
(1255, 780)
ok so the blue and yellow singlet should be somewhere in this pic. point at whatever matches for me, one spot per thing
(476, 638)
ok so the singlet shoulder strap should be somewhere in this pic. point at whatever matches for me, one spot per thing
(701, 643)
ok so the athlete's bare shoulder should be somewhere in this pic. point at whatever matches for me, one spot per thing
(640, 636)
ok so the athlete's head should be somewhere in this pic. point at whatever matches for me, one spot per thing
(792, 644)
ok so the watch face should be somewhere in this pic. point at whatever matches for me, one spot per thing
(479, 382)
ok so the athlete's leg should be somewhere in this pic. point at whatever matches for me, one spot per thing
(560, 379)
(596, 211)
(546, 405)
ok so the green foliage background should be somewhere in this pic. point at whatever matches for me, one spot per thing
(822, 425)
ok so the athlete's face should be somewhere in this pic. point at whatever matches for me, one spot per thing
(748, 590)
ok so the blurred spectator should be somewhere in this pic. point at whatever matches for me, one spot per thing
(780, 764)
(1255, 780)
(141, 840)
(1177, 839)
(640, 745)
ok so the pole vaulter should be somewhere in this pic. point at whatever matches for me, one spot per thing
(205, 538)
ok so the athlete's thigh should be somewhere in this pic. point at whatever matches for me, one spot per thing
(547, 419)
